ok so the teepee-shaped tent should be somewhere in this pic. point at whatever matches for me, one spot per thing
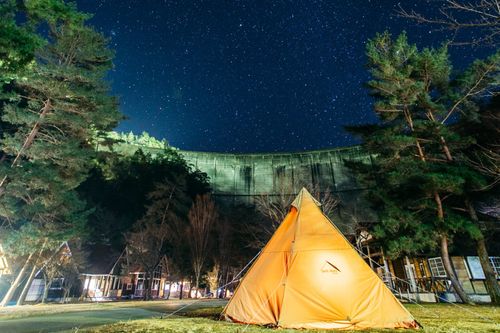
(309, 276)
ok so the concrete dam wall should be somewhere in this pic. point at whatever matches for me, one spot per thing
(248, 175)
(239, 178)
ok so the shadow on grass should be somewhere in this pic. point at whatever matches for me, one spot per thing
(208, 313)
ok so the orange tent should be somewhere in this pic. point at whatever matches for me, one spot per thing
(309, 276)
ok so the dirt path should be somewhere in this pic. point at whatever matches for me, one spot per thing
(70, 318)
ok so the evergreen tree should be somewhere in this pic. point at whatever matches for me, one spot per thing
(17, 42)
(483, 161)
(53, 100)
(415, 178)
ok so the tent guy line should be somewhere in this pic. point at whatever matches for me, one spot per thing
(236, 278)
(261, 307)
(418, 287)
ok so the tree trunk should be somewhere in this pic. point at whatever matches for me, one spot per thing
(27, 286)
(224, 287)
(150, 285)
(181, 289)
(451, 274)
(196, 286)
(440, 214)
(473, 215)
(8, 296)
(65, 294)
(169, 288)
(489, 274)
(47, 106)
(444, 239)
(48, 282)
(24, 293)
(147, 284)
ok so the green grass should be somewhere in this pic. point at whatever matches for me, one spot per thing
(435, 318)
(160, 306)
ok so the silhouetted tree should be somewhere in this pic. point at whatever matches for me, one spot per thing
(202, 217)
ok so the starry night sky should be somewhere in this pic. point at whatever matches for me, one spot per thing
(247, 76)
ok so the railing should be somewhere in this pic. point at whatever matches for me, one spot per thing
(422, 285)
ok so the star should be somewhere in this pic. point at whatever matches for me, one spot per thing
(250, 72)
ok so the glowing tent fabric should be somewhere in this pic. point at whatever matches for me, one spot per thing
(309, 276)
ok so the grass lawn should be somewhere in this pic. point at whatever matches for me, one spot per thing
(161, 306)
(434, 318)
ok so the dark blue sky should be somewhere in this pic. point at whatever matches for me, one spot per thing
(243, 76)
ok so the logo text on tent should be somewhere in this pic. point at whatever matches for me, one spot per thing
(328, 267)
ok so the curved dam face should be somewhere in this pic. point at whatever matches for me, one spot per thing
(248, 175)
(239, 178)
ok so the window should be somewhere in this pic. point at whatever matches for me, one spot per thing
(129, 286)
(116, 283)
(411, 274)
(36, 290)
(495, 262)
(437, 267)
(477, 269)
(422, 269)
(474, 267)
(57, 284)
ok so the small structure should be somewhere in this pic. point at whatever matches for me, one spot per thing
(59, 287)
(424, 279)
(99, 287)
(135, 282)
(104, 286)
(55, 290)
(125, 281)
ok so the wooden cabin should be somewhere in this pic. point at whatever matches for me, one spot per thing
(424, 278)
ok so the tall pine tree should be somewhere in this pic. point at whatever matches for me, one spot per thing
(483, 161)
(53, 101)
(416, 179)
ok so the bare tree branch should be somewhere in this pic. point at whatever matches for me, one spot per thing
(276, 206)
(202, 217)
(482, 17)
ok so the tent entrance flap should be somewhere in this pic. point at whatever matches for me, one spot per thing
(309, 276)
